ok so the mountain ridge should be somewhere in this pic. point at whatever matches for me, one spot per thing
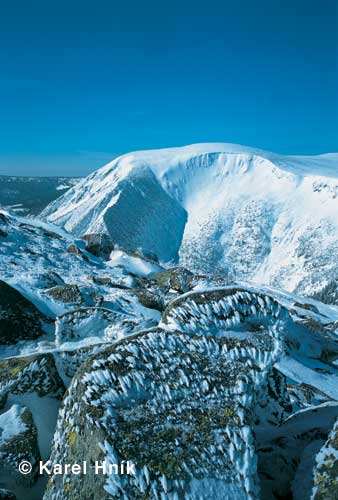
(198, 205)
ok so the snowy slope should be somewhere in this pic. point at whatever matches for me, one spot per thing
(226, 208)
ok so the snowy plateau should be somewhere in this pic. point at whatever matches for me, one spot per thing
(177, 308)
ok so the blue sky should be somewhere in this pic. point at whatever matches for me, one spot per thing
(81, 82)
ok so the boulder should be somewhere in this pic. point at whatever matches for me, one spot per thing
(179, 407)
(74, 249)
(178, 278)
(326, 469)
(99, 244)
(18, 442)
(19, 318)
(28, 374)
(4, 220)
(149, 299)
(68, 294)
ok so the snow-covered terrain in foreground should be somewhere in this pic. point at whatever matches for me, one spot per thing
(224, 208)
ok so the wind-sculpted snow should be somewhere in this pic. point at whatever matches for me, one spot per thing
(217, 208)
(179, 406)
(222, 309)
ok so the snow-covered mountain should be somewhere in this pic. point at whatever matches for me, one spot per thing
(251, 214)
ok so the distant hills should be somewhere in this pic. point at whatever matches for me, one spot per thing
(30, 195)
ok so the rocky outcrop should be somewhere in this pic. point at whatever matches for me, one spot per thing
(19, 318)
(224, 308)
(68, 294)
(177, 278)
(36, 373)
(150, 299)
(179, 406)
(18, 442)
(326, 469)
(74, 249)
(99, 244)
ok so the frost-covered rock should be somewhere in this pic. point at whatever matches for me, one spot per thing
(179, 406)
(177, 278)
(326, 469)
(287, 453)
(69, 294)
(97, 323)
(30, 374)
(99, 244)
(221, 309)
(133, 263)
(19, 318)
(18, 442)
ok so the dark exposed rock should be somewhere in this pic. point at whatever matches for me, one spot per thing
(149, 299)
(52, 234)
(65, 293)
(4, 219)
(99, 244)
(308, 307)
(108, 281)
(74, 249)
(51, 279)
(178, 278)
(19, 318)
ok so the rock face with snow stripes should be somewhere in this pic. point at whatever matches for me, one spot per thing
(179, 406)
(30, 374)
(220, 309)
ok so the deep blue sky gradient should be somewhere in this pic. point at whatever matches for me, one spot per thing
(81, 82)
